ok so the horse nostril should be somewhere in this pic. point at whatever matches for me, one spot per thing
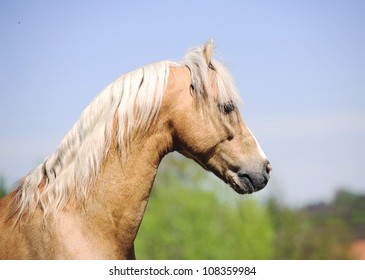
(268, 168)
(267, 172)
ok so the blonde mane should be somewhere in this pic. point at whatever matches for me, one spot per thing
(134, 99)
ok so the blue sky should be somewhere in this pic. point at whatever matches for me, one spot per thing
(299, 65)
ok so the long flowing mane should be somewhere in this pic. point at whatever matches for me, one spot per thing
(133, 100)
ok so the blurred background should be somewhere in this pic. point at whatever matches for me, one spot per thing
(300, 69)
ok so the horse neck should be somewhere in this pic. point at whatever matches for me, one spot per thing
(119, 197)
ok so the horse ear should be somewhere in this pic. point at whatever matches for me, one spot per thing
(208, 51)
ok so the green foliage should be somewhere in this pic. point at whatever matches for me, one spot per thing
(2, 187)
(195, 223)
(351, 208)
(307, 234)
(192, 215)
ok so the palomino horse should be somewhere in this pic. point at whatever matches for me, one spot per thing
(87, 200)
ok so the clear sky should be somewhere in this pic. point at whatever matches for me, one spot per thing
(299, 65)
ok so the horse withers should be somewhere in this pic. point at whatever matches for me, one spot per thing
(87, 199)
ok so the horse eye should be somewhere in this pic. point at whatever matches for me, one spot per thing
(227, 108)
(211, 66)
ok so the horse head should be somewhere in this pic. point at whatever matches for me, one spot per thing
(207, 125)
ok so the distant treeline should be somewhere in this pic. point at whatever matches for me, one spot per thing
(318, 231)
(346, 206)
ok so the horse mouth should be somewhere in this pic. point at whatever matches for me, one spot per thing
(243, 183)
(244, 186)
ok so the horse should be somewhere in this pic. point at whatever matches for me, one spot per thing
(88, 198)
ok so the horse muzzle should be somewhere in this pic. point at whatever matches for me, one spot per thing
(245, 181)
